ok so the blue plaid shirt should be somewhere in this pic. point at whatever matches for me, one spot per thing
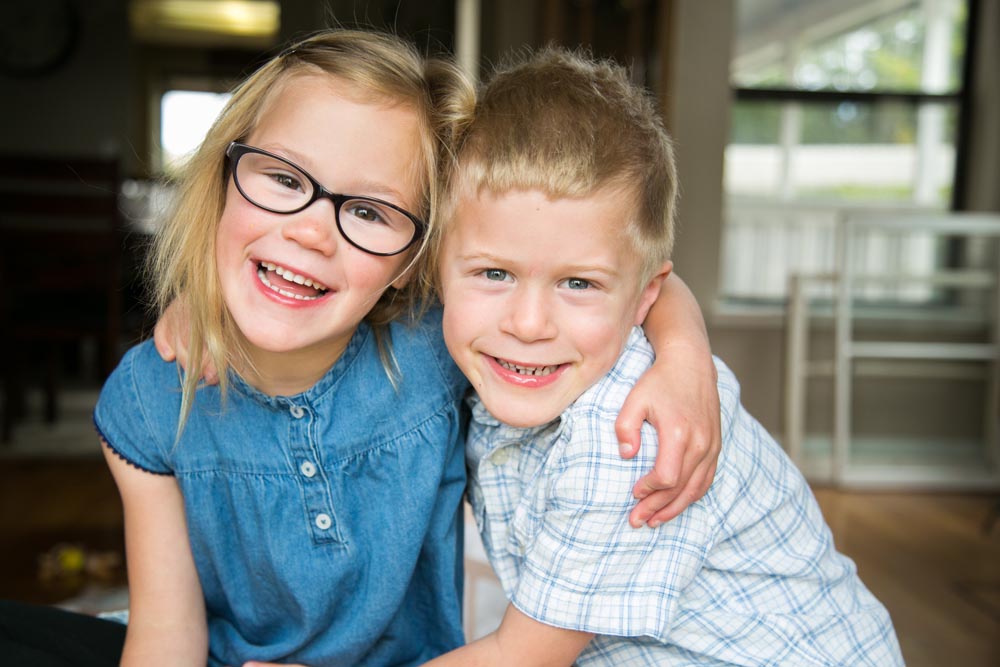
(748, 575)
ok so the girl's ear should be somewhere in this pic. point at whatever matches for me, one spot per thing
(403, 280)
(651, 292)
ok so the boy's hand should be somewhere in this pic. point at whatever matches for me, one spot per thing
(172, 346)
(679, 398)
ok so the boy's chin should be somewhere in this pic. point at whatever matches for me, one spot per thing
(520, 416)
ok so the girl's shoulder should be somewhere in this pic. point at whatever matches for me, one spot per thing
(137, 410)
(141, 372)
(418, 346)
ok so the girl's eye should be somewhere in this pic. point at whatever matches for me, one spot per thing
(495, 274)
(287, 180)
(365, 213)
(577, 283)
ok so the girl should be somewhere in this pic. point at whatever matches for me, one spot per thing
(306, 509)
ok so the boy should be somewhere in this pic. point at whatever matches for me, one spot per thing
(556, 237)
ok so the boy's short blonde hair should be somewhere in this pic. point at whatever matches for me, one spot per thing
(375, 67)
(570, 125)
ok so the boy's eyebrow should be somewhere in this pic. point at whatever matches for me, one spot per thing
(609, 270)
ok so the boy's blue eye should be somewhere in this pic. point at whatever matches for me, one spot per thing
(495, 274)
(577, 283)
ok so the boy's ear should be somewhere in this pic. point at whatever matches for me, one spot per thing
(651, 292)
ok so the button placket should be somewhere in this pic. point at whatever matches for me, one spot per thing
(318, 503)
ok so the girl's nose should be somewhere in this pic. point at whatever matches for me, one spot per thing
(314, 228)
(529, 316)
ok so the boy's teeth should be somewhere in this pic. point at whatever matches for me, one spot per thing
(528, 370)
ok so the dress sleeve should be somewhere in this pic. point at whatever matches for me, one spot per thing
(584, 567)
(123, 413)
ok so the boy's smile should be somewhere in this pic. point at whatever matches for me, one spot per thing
(539, 297)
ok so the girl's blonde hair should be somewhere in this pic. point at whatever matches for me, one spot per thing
(379, 68)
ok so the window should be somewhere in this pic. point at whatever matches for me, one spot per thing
(185, 117)
(837, 106)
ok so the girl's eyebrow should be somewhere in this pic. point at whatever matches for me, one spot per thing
(379, 190)
(363, 188)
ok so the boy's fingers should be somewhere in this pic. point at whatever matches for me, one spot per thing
(674, 448)
(692, 492)
(662, 496)
(646, 508)
(627, 428)
(163, 346)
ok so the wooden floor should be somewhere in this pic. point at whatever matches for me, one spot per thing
(928, 557)
(48, 503)
(934, 563)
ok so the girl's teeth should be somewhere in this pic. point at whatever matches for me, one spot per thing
(528, 370)
(292, 277)
(264, 267)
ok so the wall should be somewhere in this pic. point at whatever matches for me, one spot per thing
(81, 108)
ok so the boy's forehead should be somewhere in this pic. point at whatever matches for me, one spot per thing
(491, 216)
(615, 197)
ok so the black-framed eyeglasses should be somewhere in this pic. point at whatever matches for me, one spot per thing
(279, 186)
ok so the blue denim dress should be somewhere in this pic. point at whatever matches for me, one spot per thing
(325, 526)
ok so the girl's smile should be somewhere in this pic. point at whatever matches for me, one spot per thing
(289, 284)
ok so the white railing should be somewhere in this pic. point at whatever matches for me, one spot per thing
(928, 459)
(764, 243)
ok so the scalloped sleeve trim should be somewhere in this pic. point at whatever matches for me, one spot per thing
(114, 450)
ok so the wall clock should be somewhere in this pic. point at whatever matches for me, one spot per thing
(36, 36)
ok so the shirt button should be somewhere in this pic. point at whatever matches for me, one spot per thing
(307, 468)
(500, 456)
(297, 411)
(323, 521)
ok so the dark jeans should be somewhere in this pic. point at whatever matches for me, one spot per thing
(36, 636)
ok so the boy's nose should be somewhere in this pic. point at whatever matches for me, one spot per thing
(314, 228)
(528, 317)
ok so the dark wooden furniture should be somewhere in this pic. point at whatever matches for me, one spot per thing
(60, 273)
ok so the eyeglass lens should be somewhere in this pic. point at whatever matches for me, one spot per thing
(279, 186)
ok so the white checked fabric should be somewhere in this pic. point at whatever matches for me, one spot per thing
(748, 575)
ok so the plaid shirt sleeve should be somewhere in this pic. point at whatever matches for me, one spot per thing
(585, 568)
